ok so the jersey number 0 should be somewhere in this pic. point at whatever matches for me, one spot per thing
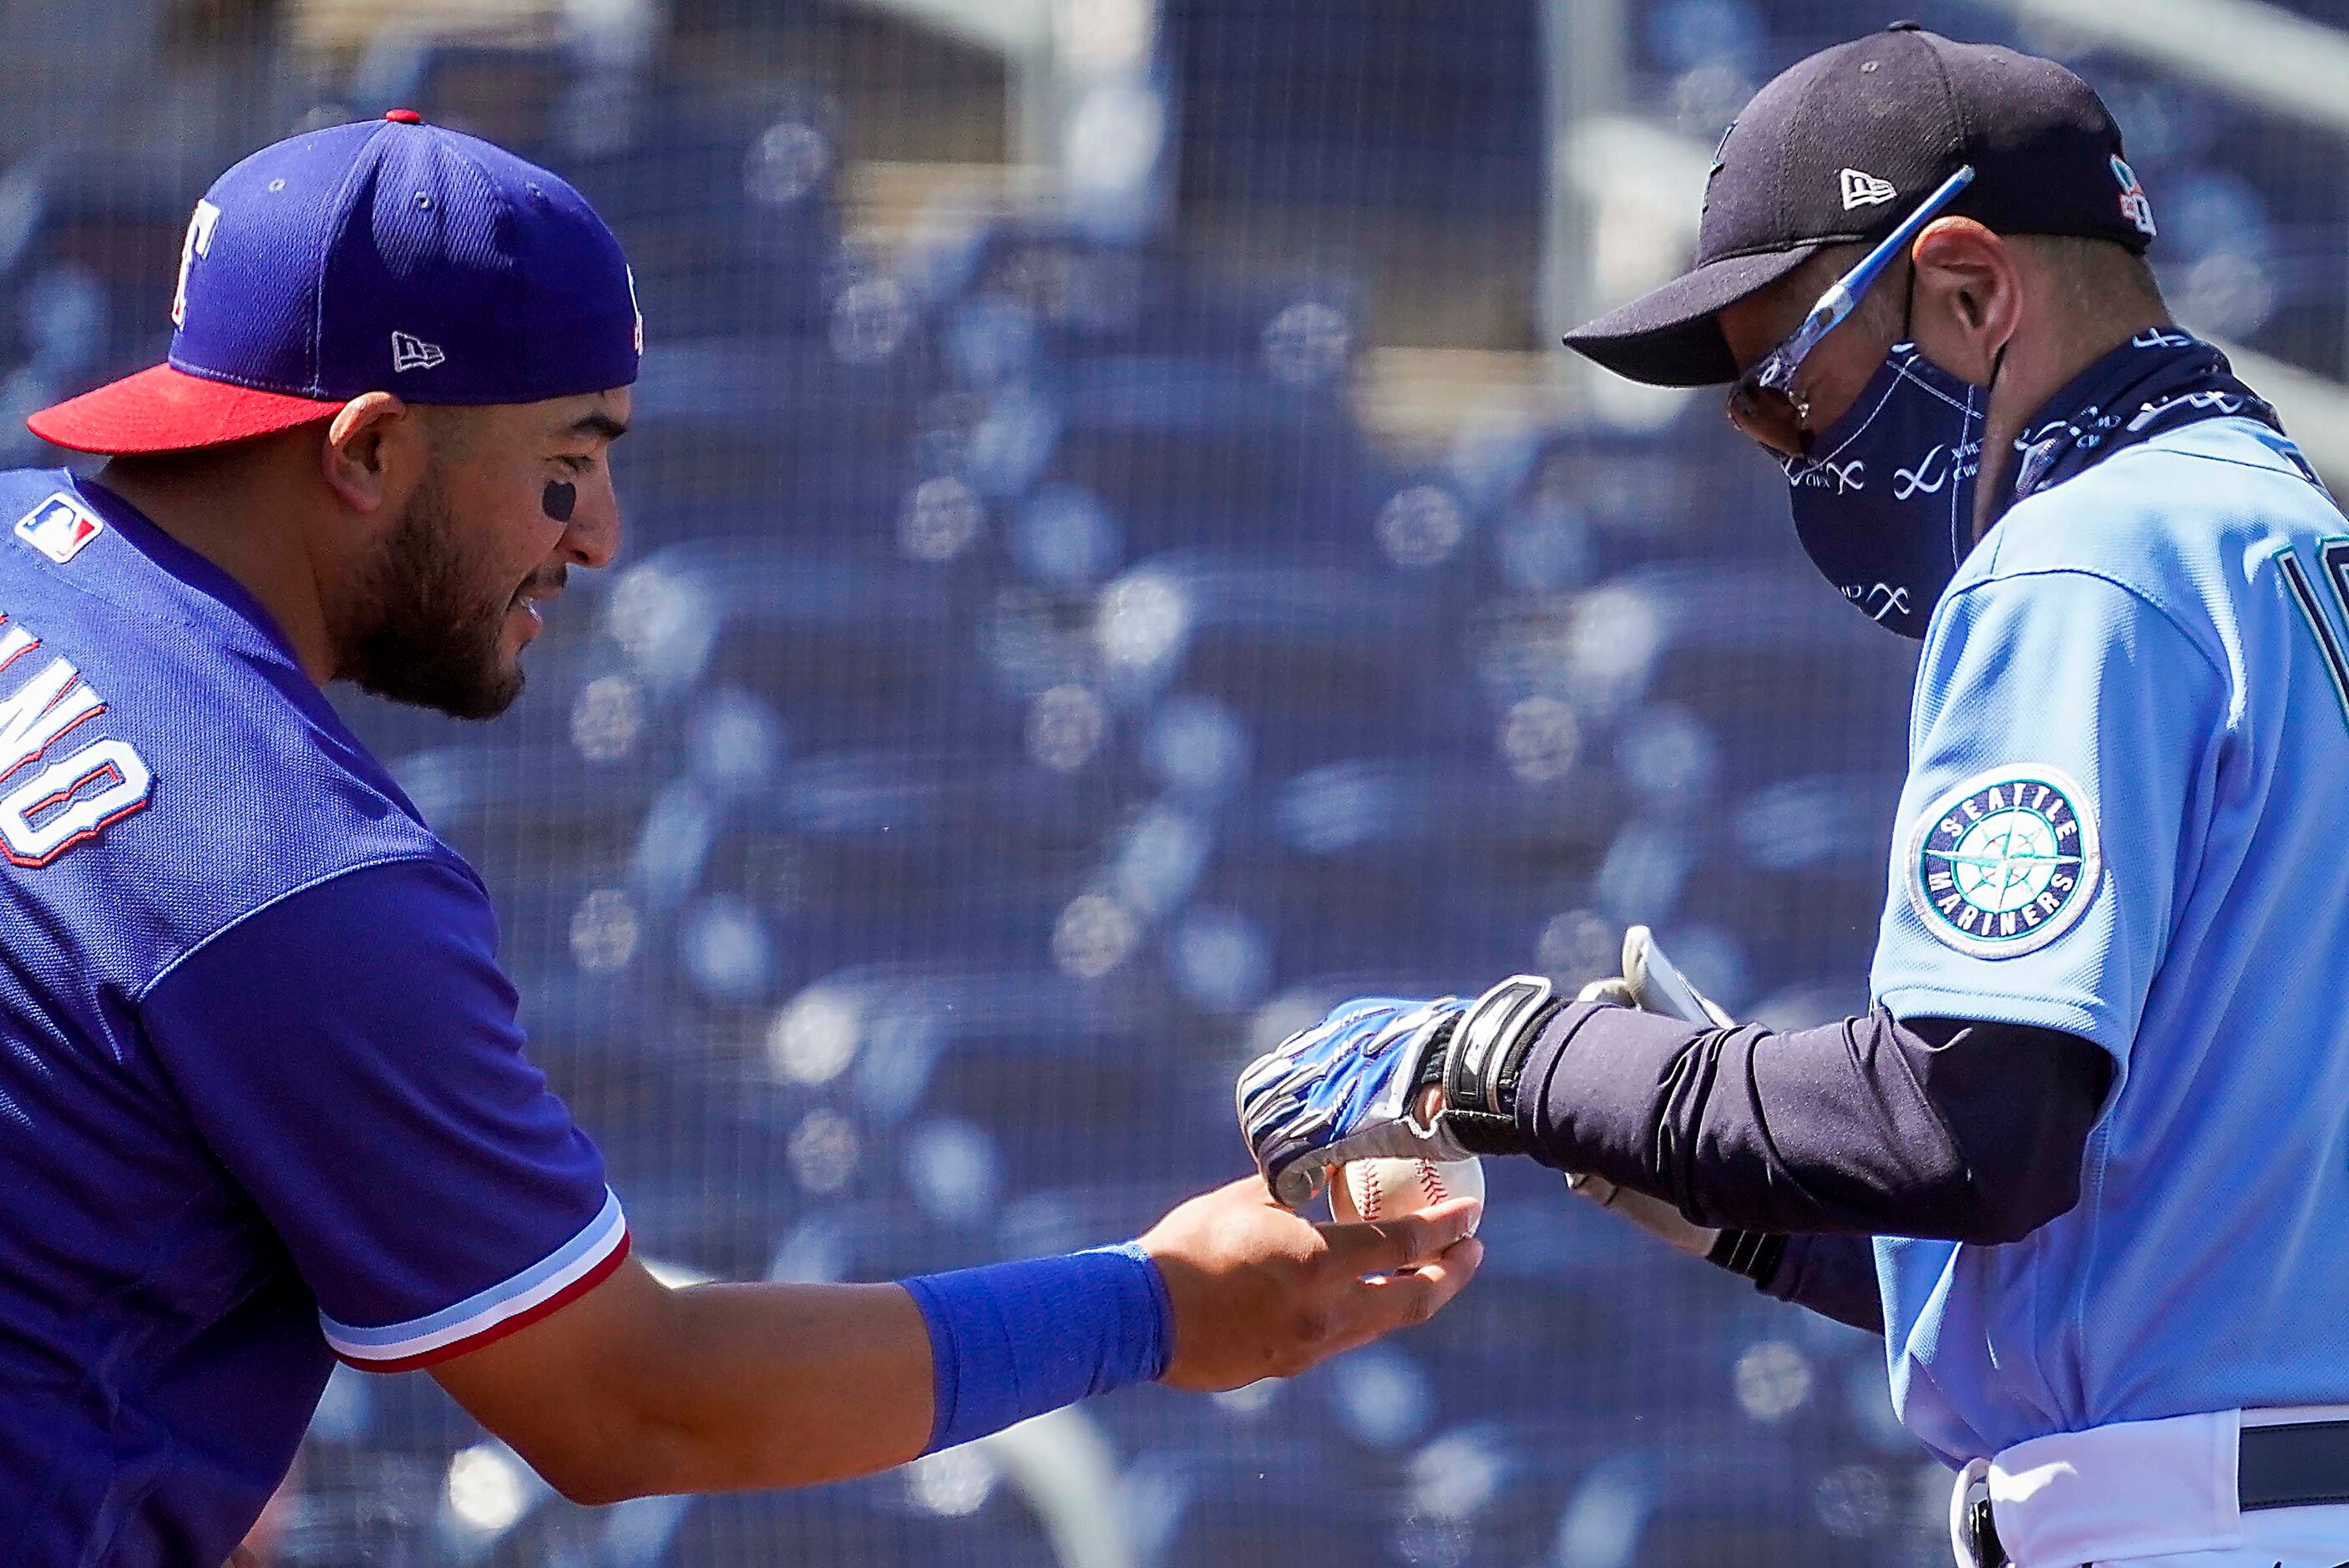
(75, 797)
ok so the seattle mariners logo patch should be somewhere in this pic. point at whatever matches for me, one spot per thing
(2005, 863)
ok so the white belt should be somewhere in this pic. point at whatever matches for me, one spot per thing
(2134, 1488)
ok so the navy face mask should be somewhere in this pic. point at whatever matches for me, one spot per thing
(1884, 502)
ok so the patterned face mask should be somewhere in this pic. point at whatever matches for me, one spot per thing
(1884, 502)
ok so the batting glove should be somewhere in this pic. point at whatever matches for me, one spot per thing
(1348, 1089)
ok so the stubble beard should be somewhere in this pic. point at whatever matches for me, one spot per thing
(430, 634)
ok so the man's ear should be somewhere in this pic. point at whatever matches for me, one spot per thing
(1969, 298)
(374, 452)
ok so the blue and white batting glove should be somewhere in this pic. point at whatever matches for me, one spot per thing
(1348, 1089)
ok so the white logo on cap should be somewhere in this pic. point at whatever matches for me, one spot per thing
(1864, 190)
(198, 242)
(412, 353)
(2135, 206)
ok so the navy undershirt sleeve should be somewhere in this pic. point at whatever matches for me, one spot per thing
(1935, 1128)
(1832, 1274)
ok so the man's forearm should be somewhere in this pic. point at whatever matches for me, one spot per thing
(740, 1387)
(637, 1389)
(1868, 1126)
(780, 1386)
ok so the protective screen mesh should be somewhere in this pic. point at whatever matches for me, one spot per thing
(1111, 570)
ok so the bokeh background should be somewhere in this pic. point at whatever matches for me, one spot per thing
(1115, 564)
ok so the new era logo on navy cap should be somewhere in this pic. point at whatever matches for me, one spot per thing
(388, 256)
(1861, 188)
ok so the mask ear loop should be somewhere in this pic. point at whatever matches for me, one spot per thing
(1998, 510)
(1959, 544)
(2006, 480)
(1907, 336)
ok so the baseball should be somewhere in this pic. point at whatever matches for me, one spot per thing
(1382, 1189)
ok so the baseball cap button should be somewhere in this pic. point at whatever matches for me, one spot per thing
(409, 117)
(1905, 28)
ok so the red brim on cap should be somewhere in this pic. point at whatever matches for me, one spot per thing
(164, 409)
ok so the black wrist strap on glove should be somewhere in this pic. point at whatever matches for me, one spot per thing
(1479, 1061)
(1751, 1253)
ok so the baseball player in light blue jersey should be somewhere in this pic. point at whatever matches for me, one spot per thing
(2085, 1163)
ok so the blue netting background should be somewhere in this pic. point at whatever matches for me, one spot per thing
(1110, 572)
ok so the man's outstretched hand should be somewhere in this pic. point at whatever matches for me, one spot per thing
(1259, 1292)
(637, 1389)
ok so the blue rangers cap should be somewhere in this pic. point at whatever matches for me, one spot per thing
(388, 256)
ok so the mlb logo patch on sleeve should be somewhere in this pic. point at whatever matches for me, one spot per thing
(59, 528)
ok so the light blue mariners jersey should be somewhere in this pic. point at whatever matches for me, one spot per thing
(2127, 817)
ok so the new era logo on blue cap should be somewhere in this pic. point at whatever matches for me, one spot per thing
(387, 256)
(414, 354)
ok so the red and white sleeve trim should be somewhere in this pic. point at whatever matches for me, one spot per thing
(564, 1275)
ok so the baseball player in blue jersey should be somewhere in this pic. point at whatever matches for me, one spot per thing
(262, 1100)
(2085, 1161)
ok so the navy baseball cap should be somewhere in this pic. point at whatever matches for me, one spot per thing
(1842, 145)
(390, 255)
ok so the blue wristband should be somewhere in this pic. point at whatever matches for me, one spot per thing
(1014, 1340)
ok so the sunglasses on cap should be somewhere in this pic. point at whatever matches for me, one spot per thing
(1763, 403)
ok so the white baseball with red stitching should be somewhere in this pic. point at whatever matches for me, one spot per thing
(1384, 1189)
